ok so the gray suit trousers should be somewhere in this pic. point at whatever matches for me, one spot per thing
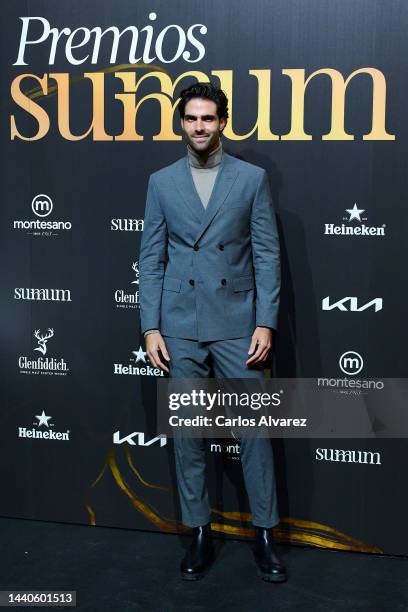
(225, 359)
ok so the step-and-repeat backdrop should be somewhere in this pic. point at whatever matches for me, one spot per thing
(317, 96)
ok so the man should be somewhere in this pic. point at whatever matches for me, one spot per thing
(209, 296)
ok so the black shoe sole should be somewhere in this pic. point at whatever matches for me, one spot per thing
(197, 576)
(272, 577)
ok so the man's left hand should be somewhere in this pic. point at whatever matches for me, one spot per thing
(262, 342)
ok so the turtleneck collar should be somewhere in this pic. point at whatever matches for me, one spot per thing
(214, 158)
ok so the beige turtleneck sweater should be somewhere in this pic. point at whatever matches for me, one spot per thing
(204, 174)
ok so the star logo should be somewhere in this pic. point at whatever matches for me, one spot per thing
(140, 355)
(355, 212)
(42, 419)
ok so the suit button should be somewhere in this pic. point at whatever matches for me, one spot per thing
(191, 281)
(196, 247)
(223, 281)
(221, 247)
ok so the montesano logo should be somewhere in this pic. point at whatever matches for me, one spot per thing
(351, 363)
(348, 456)
(42, 295)
(127, 225)
(355, 225)
(42, 206)
(232, 451)
(143, 369)
(42, 429)
(43, 364)
(129, 299)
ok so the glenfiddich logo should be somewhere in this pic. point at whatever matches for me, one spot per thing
(43, 365)
(42, 207)
(143, 369)
(357, 226)
(125, 299)
(43, 430)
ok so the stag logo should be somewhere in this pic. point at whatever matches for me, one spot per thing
(42, 340)
(135, 268)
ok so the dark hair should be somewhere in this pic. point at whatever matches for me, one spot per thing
(208, 91)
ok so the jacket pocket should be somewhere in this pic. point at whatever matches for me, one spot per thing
(243, 283)
(171, 284)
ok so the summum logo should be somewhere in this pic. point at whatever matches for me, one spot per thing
(348, 456)
(43, 294)
(127, 225)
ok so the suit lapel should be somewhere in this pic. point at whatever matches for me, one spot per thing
(224, 180)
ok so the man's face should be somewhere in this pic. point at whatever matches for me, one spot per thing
(201, 125)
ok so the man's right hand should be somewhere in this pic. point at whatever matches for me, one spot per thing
(154, 342)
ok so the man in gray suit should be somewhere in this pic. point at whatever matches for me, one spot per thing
(209, 297)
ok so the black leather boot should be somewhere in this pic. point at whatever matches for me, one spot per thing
(199, 555)
(270, 567)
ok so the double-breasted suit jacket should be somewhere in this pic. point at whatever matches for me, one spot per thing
(209, 273)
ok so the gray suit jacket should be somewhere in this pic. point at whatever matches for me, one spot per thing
(214, 273)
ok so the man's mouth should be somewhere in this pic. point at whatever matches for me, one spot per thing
(199, 138)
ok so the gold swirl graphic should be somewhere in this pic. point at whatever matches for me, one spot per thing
(292, 530)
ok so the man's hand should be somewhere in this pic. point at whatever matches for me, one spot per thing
(154, 342)
(262, 337)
